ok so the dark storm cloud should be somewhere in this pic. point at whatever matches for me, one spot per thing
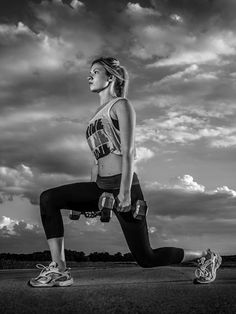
(216, 12)
(13, 11)
(41, 74)
(184, 198)
(60, 88)
(107, 19)
(176, 203)
(200, 13)
(48, 146)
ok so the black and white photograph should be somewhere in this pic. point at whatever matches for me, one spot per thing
(117, 156)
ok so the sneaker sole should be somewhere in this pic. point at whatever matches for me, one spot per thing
(67, 283)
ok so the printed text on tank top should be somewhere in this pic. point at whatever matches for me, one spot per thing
(112, 114)
(103, 134)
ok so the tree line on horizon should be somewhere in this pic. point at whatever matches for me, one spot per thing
(70, 255)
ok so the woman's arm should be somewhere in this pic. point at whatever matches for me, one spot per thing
(94, 172)
(127, 121)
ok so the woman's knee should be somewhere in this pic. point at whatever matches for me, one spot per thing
(46, 202)
(144, 263)
(45, 197)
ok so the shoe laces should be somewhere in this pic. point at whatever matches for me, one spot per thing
(44, 268)
(203, 263)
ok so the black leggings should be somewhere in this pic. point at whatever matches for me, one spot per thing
(84, 196)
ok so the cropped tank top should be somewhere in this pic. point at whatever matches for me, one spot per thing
(103, 133)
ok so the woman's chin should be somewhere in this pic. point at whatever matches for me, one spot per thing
(93, 89)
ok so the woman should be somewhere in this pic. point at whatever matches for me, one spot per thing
(110, 135)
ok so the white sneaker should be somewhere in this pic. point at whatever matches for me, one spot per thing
(207, 267)
(50, 276)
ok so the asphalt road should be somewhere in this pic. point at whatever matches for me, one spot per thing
(120, 290)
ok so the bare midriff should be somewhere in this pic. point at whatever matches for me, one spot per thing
(110, 165)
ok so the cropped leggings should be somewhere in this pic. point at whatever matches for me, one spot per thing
(84, 196)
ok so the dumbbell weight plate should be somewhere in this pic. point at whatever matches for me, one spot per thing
(106, 215)
(74, 215)
(106, 200)
(140, 209)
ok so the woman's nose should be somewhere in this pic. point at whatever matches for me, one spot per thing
(89, 78)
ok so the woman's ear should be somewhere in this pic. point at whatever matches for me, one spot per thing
(111, 78)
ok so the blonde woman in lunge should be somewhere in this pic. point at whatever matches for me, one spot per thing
(111, 136)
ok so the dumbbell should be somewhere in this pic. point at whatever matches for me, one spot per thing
(107, 202)
(105, 205)
(139, 210)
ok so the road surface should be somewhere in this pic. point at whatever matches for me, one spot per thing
(120, 290)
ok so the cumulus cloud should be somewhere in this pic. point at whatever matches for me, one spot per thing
(225, 190)
(187, 183)
(144, 154)
(229, 141)
(137, 12)
(15, 181)
(10, 227)
(177, 129)
(185, 197)
(152, 229)
(18, 236)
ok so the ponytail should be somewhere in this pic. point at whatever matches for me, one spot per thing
(121, 83)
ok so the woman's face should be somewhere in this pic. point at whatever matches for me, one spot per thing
(98, 79)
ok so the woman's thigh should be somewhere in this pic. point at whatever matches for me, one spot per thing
(135, 231)
(82, 196)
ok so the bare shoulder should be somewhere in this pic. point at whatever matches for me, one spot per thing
(123, 106)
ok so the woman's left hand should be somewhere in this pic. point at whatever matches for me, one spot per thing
(124, 202)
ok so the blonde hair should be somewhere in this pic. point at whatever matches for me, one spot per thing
(113, 67)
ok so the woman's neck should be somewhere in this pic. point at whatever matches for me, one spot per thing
(105, 97)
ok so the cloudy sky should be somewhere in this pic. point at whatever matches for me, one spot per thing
(181, 59)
